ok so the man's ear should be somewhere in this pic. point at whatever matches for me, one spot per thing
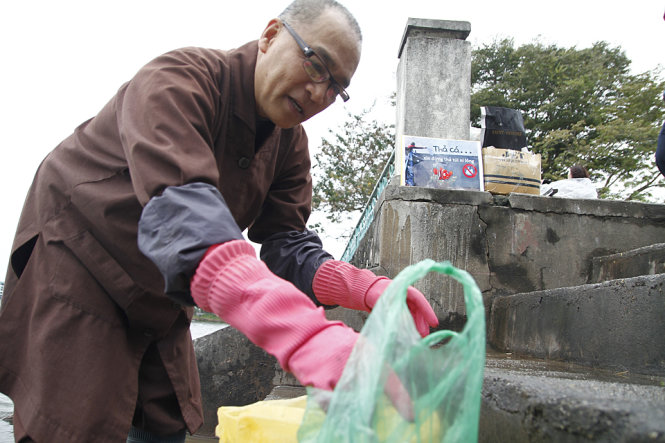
(269, 33)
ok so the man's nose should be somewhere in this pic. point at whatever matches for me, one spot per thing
(318, 92)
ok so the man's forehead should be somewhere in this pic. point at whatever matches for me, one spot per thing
(329, 51)
(331, 36)
(321, 52)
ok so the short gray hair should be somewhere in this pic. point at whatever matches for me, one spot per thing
(306, 11)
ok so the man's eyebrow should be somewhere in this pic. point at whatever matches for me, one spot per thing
(325, 56)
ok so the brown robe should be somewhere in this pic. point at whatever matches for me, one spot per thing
(81, 303)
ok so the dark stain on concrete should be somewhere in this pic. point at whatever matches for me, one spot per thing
(479, 245)
(515, 277)
(552, 236)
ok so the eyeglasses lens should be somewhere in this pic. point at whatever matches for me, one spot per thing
(319, 74)
(315, 71)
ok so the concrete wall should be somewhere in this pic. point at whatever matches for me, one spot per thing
(434, 80)
(509, 244)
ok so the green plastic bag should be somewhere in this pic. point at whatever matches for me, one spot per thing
(443, 374)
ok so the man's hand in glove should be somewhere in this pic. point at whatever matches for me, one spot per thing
(232, 283)
(340, 283)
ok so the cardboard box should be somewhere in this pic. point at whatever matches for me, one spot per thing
(508, 170)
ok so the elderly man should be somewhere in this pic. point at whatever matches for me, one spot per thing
(138, 215)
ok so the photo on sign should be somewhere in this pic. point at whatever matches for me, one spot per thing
(440, 163)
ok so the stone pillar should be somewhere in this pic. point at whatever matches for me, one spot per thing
(434, 80)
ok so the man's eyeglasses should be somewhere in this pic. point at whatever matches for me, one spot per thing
(317, 69)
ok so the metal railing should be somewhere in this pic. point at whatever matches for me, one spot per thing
(367, 214)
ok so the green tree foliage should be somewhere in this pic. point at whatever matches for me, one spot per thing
(579, 106)
(347, 168)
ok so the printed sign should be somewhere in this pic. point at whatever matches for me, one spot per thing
(440, 163)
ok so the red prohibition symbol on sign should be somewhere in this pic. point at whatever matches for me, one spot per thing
(469, 170)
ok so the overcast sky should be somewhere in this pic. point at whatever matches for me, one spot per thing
(62, 60)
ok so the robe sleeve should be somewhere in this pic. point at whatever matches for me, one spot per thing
(166, 115)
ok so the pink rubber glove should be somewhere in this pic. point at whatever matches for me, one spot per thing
(340, 283)
(231, 282)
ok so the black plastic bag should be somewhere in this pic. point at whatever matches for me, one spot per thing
(502, 128)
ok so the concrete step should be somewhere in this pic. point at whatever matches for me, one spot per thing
(616, 325)
(541, 401)
(648, 260)
(530, 400)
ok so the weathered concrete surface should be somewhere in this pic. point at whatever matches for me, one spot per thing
(544, 243)
(284, 392)
(233, 372)
(529, 401)
(618, 324)
(440, 226)
(509, 244)
(648, 260)
(434, 80)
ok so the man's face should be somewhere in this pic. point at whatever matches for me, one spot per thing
(284, 92)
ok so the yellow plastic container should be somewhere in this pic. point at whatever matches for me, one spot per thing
(277, 421)
(268, 421)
